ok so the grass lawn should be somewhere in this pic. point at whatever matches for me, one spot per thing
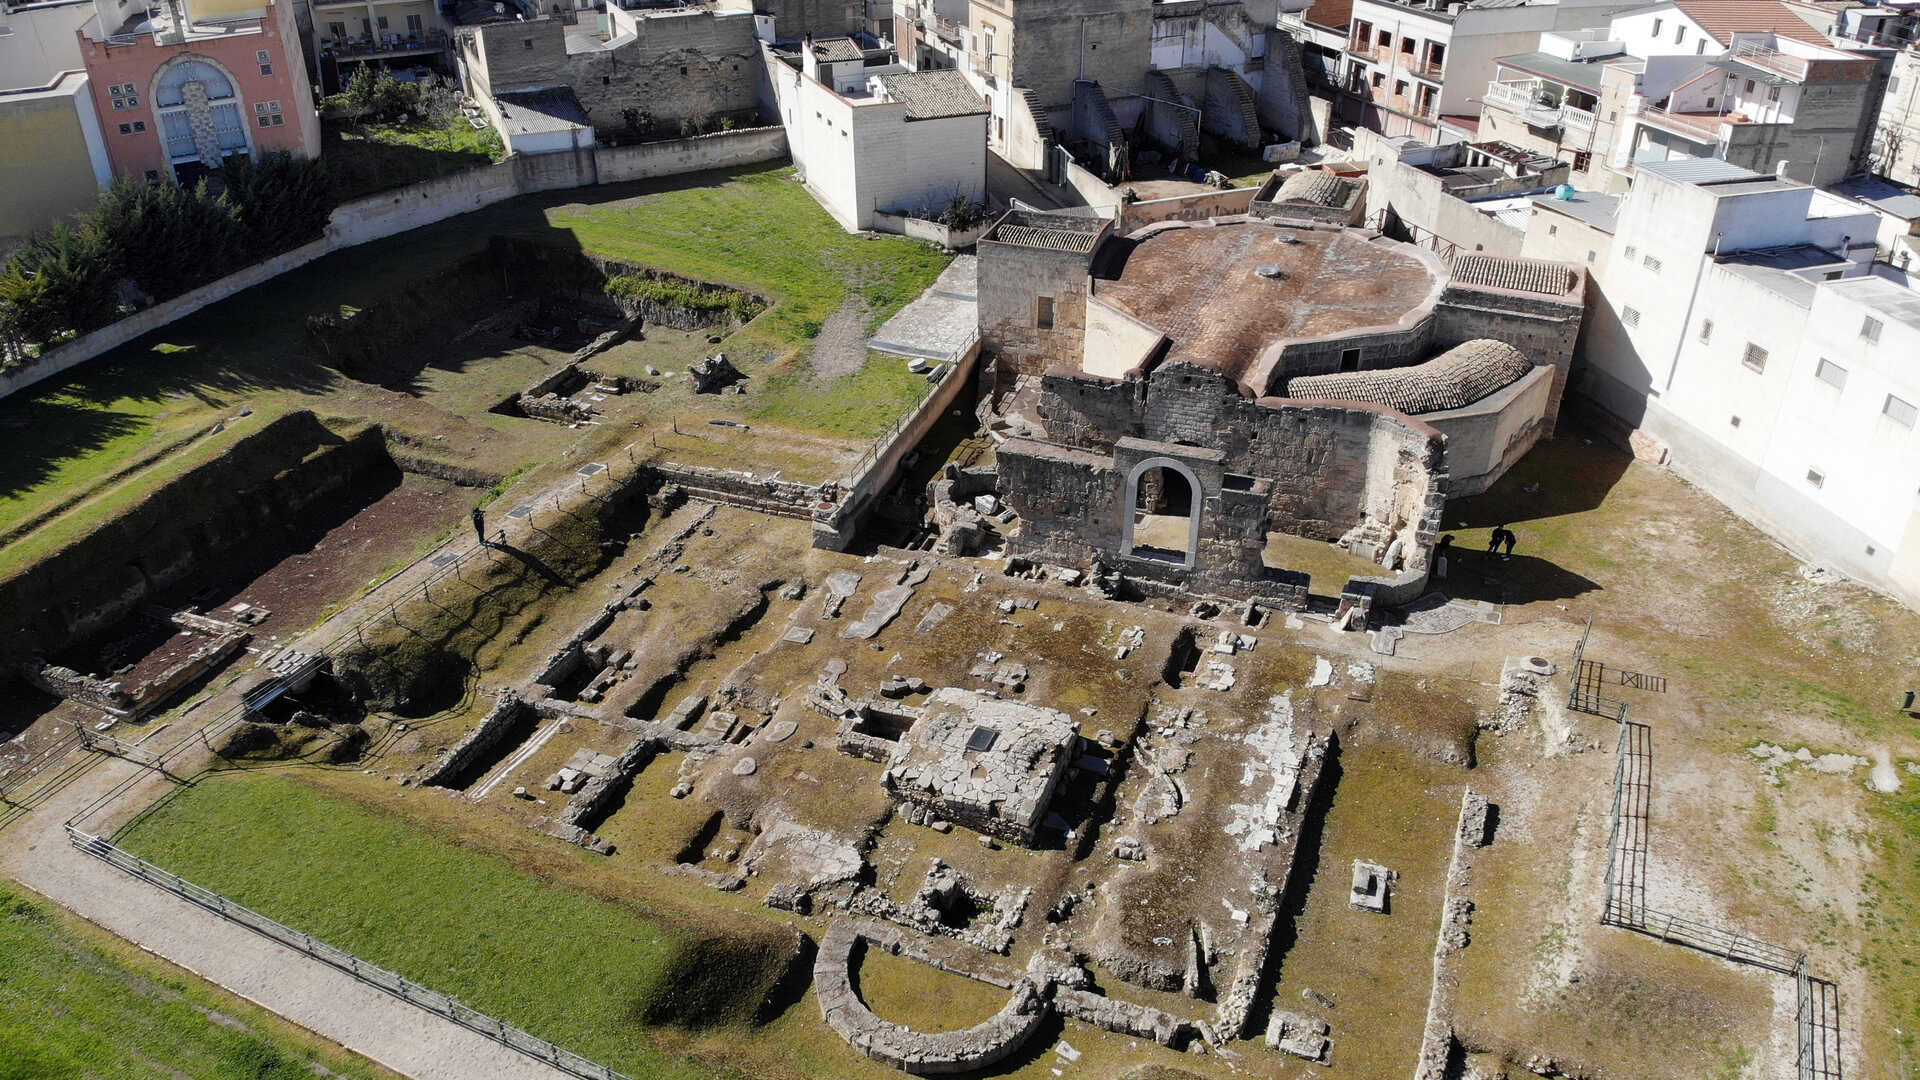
(109, 432)
(368, 158)
(77, 1002)
(592, 975)
(855, 406)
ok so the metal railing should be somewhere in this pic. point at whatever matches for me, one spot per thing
(936, 379)
(1816, 1037)
(372, 974)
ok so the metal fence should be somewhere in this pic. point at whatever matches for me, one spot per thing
(936, 379)
(1817, 1026)
(1584, 695)
(431, 1000)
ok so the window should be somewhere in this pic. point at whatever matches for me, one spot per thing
(1406, 45)
(1650, 263)
(1773, 93)
(526, 43)
(414, 25)
(381, 22)
(1899, 411)
(1710, 102)
(337, 30)
(1815, 478)
(1706, 331)
(1379, 80)
(1893, 83)
(1733, 421)
(1656, 27)
(1700, 47)
(1631, 252)
(1749, 87)
(269, 113)
(262, 56)
(1043, 313)
(139, 126)
(1399, 88)
(1349, 359)
(1590, 254)
(1680, 33)
(126, 129)
(1755, 358)
(1613, 115)
(1553, 230)
(1436, 54)
(276, 120)
(1385, 38)
(1630, 316)
(1870, 330)
(1582, 160)
(1831, 373)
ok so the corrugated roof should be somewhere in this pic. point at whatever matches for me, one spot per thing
(1724, 18)
(552, 109)
(933, 95)
(1888, 198)
(1698, 170)
(1584, 74)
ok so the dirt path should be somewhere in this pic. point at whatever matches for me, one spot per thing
(322, 999)
(842, 345)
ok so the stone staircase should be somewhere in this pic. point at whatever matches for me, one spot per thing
(1287, 48)
(1160, 86)
(1231, 111)
(1038, 112)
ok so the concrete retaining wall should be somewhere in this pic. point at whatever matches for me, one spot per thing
(836, 532)
(389, 212)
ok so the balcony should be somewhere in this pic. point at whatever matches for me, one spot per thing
(1578, 123)
(1524, 101)
(359, 48)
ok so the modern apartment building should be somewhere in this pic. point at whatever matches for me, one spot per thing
(1742, 327)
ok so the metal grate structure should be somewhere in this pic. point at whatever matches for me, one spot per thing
(1817, 1042)
(1589, 677)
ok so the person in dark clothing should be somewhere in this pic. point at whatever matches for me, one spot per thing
(1493, 539)
(1440, 552)
(1507, 542)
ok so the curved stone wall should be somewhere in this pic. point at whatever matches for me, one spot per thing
(921, 1053)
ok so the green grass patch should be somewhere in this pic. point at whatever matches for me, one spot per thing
(859, 405)
(592, 975)
(367, 158)
(75, 1003)
(762, 232)
(674, 293)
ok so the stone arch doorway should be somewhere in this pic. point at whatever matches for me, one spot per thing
(1161, 515)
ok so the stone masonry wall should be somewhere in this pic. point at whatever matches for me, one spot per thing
(1012, 278)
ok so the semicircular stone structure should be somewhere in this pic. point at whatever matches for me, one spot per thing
(922, 1053)
(1453, 380)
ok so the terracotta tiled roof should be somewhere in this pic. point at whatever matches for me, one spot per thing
(1333, 14)
(1724, 18)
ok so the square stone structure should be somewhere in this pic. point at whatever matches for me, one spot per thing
(1208, 382)
(989, 764)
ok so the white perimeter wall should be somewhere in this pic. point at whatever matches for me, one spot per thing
(863, 157)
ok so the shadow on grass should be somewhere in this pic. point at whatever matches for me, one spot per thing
(1568, 474)
(39, 434)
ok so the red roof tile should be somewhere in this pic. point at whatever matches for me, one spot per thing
(1333, 14)
(1724, 18)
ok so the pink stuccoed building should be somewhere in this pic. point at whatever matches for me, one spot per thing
(183, 84)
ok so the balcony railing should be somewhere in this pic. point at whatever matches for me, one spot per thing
(1577, 121)
(357, 48)
(1522, 100)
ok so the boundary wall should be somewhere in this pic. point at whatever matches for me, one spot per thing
(386, 213)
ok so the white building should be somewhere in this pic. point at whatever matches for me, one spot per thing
(874, 138)
(1743, 328)
(55, 160)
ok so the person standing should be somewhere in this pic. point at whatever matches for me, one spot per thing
(1507, 542)
(1440, 551)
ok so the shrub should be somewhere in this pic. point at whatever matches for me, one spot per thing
(166, 238)
(371, 96)
(59, 284)
(278, 202)
(683, 295)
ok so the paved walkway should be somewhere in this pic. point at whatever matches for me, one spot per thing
(941, 323)
(322, 999)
